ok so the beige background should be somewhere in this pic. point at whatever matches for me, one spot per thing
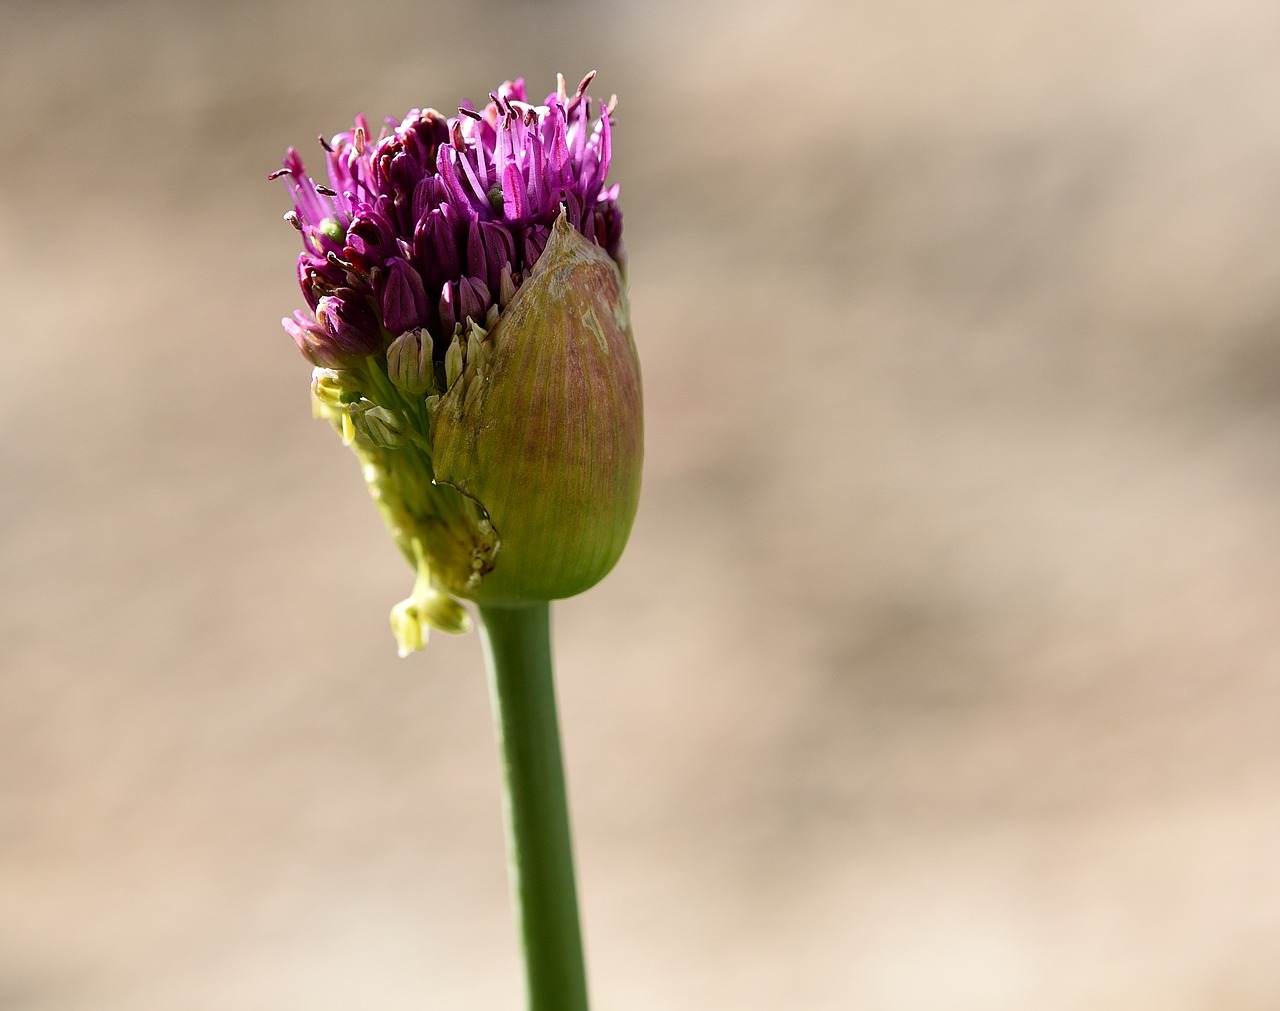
(943, 670)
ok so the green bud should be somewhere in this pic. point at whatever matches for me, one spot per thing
(453, 359)
(506, 286)
(409, 363)
(541, 426)
(383, 428)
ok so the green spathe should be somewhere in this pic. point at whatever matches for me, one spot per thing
(543, 427)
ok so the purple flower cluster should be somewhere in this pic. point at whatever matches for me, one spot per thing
(440, 219)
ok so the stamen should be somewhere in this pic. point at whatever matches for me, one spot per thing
(360, 141)
(293, 219)
(325, 144)
(482, 161)
(586, 82)
(531, 112)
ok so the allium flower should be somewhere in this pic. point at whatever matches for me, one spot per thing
(468, 321)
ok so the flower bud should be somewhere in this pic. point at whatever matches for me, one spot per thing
(483, 249)
(403, 299)
(453, 359)
(548, 439)
(313, 341)
(461, 300)
(350, 324)
(409, 362)
(381, 427)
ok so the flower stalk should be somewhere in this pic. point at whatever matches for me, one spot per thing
(468, 323)
(517, 648)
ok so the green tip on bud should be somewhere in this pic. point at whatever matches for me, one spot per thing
(542, 426)
(379, 426)
(409, 363)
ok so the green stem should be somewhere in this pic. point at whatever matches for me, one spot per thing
(517, 647)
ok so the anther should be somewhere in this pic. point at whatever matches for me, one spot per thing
(325, 191)
(325, 144)
(278, 173)
(338, 261)
(470, 113)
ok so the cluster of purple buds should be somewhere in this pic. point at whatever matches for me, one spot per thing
(440, 220)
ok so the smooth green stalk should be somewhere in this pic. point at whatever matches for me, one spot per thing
(517, 647)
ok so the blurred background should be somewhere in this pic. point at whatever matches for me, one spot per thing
(943, 669)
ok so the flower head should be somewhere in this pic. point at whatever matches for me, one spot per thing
(413, 250)
(439, 219)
